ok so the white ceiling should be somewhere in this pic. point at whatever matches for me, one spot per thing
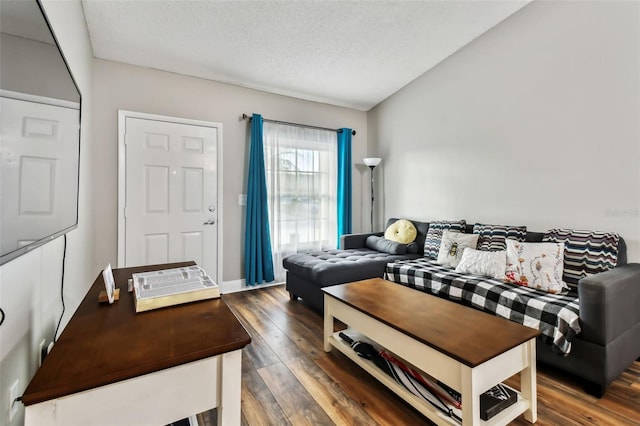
(347, 53)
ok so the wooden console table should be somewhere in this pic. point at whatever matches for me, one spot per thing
(469, 350)
(112, 366)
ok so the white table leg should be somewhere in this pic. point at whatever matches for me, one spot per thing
(230, 390)
(528, 382)
(470, 397)
(328, 323)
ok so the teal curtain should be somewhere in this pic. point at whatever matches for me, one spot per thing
(258, 258)
(344, 183)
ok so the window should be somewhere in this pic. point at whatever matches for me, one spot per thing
(301, 169)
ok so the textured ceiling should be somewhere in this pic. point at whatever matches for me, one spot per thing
(347, 53)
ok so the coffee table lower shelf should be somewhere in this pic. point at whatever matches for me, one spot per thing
(504, 417)
(469, 381)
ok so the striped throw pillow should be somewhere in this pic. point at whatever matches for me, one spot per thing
(434, 235)
(585, 252)
(492, 237)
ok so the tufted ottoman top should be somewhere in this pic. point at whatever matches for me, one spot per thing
(330, 267)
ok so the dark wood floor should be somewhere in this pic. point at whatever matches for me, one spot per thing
(287, 378)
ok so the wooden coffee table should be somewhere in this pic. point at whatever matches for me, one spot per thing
(469, 350)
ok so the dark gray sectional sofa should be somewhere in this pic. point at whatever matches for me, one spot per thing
(609, 314)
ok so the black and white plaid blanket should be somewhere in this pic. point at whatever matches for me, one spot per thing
(555, 315)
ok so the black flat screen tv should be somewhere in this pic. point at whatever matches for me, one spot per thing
(39, 132)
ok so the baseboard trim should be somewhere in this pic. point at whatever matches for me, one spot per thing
(241, 285)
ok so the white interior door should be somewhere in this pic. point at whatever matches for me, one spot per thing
(171, 193)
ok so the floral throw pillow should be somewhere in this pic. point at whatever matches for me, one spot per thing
(536, 265)
(453, 245)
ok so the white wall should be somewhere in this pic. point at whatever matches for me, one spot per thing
(536, 122)
(128, 87)
(30, 284)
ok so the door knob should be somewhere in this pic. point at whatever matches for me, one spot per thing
(212, 209)
(210, 222)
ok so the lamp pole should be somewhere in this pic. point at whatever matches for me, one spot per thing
(372, 163)
(372, 196)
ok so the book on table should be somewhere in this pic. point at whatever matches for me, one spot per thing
(495, 400)
(167, 287)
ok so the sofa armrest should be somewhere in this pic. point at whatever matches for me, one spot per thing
(354, 241)
(609, 303)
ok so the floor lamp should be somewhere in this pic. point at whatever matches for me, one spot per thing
(372, 163)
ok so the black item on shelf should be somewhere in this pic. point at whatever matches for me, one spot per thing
(363, 349)
(495, 400)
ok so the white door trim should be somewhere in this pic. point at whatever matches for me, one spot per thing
(122, 116)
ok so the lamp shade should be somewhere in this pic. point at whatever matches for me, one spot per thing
(372, 161)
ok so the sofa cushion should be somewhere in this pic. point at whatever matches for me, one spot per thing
(331, 267)
(402, 231)
(536, 265)
(585, 252)
(481, 262)
(555, 315)
(413, 248)
(434, 235)
(452, 246)
(492, 237)
(384, 245)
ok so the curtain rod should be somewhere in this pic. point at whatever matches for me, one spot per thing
(248, 117)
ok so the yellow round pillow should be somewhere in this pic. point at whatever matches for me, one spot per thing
(401, 231)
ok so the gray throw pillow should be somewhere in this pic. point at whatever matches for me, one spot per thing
(385, 246)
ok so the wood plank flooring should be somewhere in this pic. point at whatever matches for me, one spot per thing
(287, 378)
